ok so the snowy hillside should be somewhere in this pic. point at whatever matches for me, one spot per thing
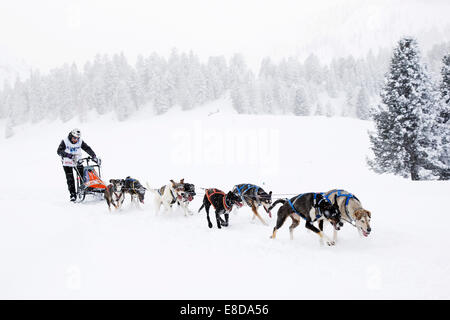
(51, 248)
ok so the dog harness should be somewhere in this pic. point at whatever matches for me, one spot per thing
(174, 199)
(133, 188)
(247, 187)
(316, 205)
(209, 194)
(348, 196)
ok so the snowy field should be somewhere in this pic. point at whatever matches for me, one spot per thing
(51, 248)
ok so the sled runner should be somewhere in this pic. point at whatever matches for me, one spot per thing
(88, 180)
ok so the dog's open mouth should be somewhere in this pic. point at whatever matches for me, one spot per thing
(190, 198)
(239, 204)
(365, 233)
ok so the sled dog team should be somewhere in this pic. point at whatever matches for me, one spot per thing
(334, 206)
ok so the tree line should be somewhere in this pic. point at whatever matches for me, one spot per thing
(344, 87)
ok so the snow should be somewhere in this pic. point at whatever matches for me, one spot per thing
(51, 248)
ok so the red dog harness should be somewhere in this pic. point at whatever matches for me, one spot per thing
(211, 192)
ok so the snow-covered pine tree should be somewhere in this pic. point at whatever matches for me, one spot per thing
(140, 80)
(67, 109)
(444, 116)
(406, 140)
(199, 83)
(18, 104)
(98, 84)
(301, 106)
(349, 106)
(240, 84)
(186, 99)
(266, 95)
(155, 68)
(313, 69)
(162, 97)
(126, 96)
(9, 129)
(330, 83)
(328, 110)
(319, 110)
(5, 96)
(216, 73)
(36, 97)
(254, 99)
(362, 105)
(445, 86)
(76, 88)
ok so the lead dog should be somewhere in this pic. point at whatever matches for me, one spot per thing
(222, 203)
(254, 196)
(308, 206)
(351, 211)
(114, 194)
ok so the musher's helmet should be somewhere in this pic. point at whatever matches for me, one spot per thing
(76, 133)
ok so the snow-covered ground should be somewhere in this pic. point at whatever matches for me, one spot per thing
(51, 248)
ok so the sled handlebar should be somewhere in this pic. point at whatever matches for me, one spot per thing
(87, 159)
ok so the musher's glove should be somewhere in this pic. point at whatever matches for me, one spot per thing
(69, 155)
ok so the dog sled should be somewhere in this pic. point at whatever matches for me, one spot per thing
(88, 181)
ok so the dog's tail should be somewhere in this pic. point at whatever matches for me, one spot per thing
(283, 201)
(203, 205)
(152, 190)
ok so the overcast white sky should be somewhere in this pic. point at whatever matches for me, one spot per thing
(47, 33)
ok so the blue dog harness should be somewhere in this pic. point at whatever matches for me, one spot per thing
(291, 203)
(248, 187)
(348, 196)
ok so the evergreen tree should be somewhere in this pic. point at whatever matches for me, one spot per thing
(445, 87)
(313, 69)
(9, 130)
(63, 93)
(76, 91)
(5, 96)
(328, 110)
(216, 74)
(240, 99)
(141, 80)
(348, 108)
(162, 99)
(301, 107)
(18, 104)
(406, 140)
(267, 95)
(444, 116)
(36, 96)
(362, 105)
(319, 110)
